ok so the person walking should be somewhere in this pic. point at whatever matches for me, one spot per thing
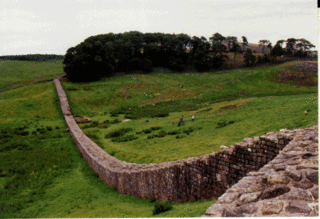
(192, 118)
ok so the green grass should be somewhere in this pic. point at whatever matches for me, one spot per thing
(212, 127)
(43, 174)
(253, 104)
(15, 74)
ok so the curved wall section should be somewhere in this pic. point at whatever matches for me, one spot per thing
(191, 179)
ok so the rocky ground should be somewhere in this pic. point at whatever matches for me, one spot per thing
(287, 186)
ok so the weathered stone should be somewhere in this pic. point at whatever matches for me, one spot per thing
(297, 207)
(277, 179)
(294, 174)
(297, 194)
(228, 198)
(313, 176)
(308, 164)
(248, 197)
(279, 167)
(231, 213)
(215, 210)
(247, 209)
(274, 191)
(293, 162)
(271, 208)
(303, 184)
(315, 193)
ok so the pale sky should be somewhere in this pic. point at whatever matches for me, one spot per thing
(51, 27)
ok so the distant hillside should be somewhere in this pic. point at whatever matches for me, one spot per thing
(33, 57)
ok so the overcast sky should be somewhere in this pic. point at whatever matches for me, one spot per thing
(51, 27)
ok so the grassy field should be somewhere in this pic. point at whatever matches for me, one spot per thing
(15, 74)
(43, 174)
(228, 106)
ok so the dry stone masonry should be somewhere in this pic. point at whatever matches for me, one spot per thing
(287, 186)
(293, 172)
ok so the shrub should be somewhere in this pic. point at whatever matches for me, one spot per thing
(49, 128)
(162, 134)
(146, 65)
(24, 133)
(173, 132)
(118, 133)
(160, 207)
(146, 131)
(155, 128)
(125, 138)
(163, 114)
(134, 64)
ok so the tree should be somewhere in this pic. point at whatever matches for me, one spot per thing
(263, 44)
(291, 46)
(244, 43)
(230, 40)
(236, 48)
(249, 58)
(304, 47)
(217, 37)
(218, 49)
(201, 53)
(277, 50)
(269, 46)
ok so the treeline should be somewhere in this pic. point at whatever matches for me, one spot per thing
(103, 55)
(33, 57)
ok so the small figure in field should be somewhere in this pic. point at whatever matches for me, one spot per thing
(181, 121)
(172, 122)
(192, 118)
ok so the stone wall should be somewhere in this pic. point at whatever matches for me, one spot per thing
(191, 179)
(287, 186)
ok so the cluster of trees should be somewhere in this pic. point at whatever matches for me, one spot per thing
(103, 55)
(293, 48)
(33, 57)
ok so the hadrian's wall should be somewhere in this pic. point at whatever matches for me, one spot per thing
(190, 179)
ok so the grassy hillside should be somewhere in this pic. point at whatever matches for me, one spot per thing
(15, 74)
(245, 102)
(43, 174)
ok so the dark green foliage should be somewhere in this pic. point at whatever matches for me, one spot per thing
(188, 131)
(160, 207)
(24, 133)
(224, 123)
(118, 133)
(249, 58)
(125, 138)
(174, 132)
(136, 112)
(146, 131)
(49, 128)
(162, 134)
(155, 128)
(179, 136)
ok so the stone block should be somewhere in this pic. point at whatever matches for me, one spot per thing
(274, 191)
(248, 197)
(297, 207)
(271, 207)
